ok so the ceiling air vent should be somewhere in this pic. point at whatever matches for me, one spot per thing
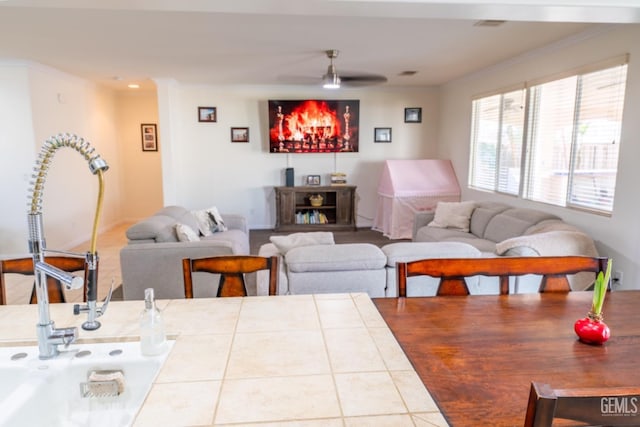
(489, 23)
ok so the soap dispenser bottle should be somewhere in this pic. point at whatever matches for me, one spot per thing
(152, 335)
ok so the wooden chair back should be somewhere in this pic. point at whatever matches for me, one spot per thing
(24, 266)
(452, 271)
(232, 270)
(610, 406)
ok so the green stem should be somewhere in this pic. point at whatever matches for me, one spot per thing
(600, 289)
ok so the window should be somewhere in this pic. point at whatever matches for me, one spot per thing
(498, 123)
(566, 151)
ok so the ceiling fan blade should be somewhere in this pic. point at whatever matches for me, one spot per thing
(362, 79)
(300, 80)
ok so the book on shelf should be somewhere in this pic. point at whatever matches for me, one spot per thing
(311, 217)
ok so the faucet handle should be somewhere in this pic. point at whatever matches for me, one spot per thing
(70, 281)
(105, 302)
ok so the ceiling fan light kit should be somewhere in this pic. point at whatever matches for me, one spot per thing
(331, 80)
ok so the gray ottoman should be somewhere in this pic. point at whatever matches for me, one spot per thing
(353, 267)
(412, 251)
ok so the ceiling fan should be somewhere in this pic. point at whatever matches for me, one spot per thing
(332, 80)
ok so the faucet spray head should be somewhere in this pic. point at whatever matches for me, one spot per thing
(97, 164)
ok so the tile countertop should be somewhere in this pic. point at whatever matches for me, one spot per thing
(308, 360)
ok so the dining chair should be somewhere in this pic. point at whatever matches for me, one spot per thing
(610, 406)
(24, 266)
(452, 271)
(232, 269)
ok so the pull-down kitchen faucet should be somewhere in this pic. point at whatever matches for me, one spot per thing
(48, 336)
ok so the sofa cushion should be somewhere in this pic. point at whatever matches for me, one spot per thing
(159, 228)
(434, 234)
(181, 215)
(454, 215)
(237, 240)
(218, 224)
(513, 222)
(552, 225)
(482, 214)
(295, 240)
(431, 234)
(186, 233)
(205, 223)
(552, 243)
(411, 251)
(343, 257)
(483, 245)
(209, 221)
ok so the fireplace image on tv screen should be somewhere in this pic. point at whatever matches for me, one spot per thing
(313, 126)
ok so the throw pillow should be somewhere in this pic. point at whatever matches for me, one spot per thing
(456, 215)
(186, 233)
(216, 218)
(286, 243)
(205, 223)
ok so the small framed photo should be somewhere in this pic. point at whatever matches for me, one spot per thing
(413, 115)
(382, 135)
(149, 137)
(207, 114)
(239, 134)
(313, 179)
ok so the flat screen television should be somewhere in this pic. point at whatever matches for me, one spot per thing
(313, 126)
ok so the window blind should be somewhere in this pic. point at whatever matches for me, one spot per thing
(497, 142)
(566, 151)
(575, 126)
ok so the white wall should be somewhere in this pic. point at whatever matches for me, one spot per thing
(37, 102)
(205, 169)
(16, 156)
(617, 236)
(66, 104)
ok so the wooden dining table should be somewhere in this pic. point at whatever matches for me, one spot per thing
(477, 355)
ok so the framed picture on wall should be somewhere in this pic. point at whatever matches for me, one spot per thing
(149, 137)
(382, 135)
(239, 134)
(207, 114)
(413, 115)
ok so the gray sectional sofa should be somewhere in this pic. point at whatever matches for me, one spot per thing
(153, 255)
(495, 229)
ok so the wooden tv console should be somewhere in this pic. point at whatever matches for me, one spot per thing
(294, 211)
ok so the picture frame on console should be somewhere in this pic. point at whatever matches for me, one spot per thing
(149, 137)
(413, 115)
(207, 114)
(313, 179)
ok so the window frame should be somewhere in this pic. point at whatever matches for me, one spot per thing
(525, 189)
